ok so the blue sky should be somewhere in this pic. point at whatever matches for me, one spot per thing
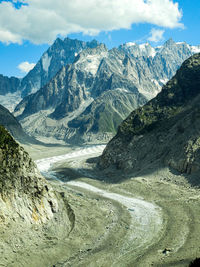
(28, 27)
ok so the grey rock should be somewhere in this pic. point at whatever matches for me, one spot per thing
(8, 85)
(25, 196)
(61, 53)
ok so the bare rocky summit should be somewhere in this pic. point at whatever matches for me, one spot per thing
(164, 131)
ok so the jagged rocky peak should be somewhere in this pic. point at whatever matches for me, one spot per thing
(61, 53)
(89, 59)
(9, 94)
(138, 50)
(169, 43)
(24, 193)
(170, 46)
(164, 131)
(68, 89)
(70, 93)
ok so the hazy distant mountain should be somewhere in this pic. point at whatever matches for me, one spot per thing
(86, 100)
(164, 131)
(13, 126)
(8, 85)
(9, 94)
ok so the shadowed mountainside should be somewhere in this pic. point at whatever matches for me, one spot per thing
(14, 127)
(165, 131)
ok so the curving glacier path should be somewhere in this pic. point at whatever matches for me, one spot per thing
(146, 218)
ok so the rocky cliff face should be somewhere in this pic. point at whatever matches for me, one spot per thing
(34, 218)
(61, 53)
(164, 131)
(24, 193)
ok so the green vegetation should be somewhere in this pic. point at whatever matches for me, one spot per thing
(6, 139)
(168, 103)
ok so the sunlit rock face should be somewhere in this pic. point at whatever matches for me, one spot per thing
(24, 194)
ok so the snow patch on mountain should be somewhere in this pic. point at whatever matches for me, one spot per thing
(195, 49)
(46, 61)
(156, 82)
(152, 52)
(62, 53)
(163, 81)
(90, 63)
(10, 100)
(143, 46)
(37, 85)
(130, 44)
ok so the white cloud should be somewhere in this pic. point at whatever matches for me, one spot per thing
(9, 37)
(41, 21)
(156, 35)
(26, 66)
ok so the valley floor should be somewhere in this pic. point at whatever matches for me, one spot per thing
(107, 231)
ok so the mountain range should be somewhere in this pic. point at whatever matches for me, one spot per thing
(81, 91)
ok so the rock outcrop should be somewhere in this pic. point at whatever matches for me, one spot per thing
(164, 131)
(61, 53)
(34, 218)
(25, 196)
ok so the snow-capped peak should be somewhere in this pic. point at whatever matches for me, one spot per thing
(90, 62)
(195, 49)
(143, 46)
(130, 44)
